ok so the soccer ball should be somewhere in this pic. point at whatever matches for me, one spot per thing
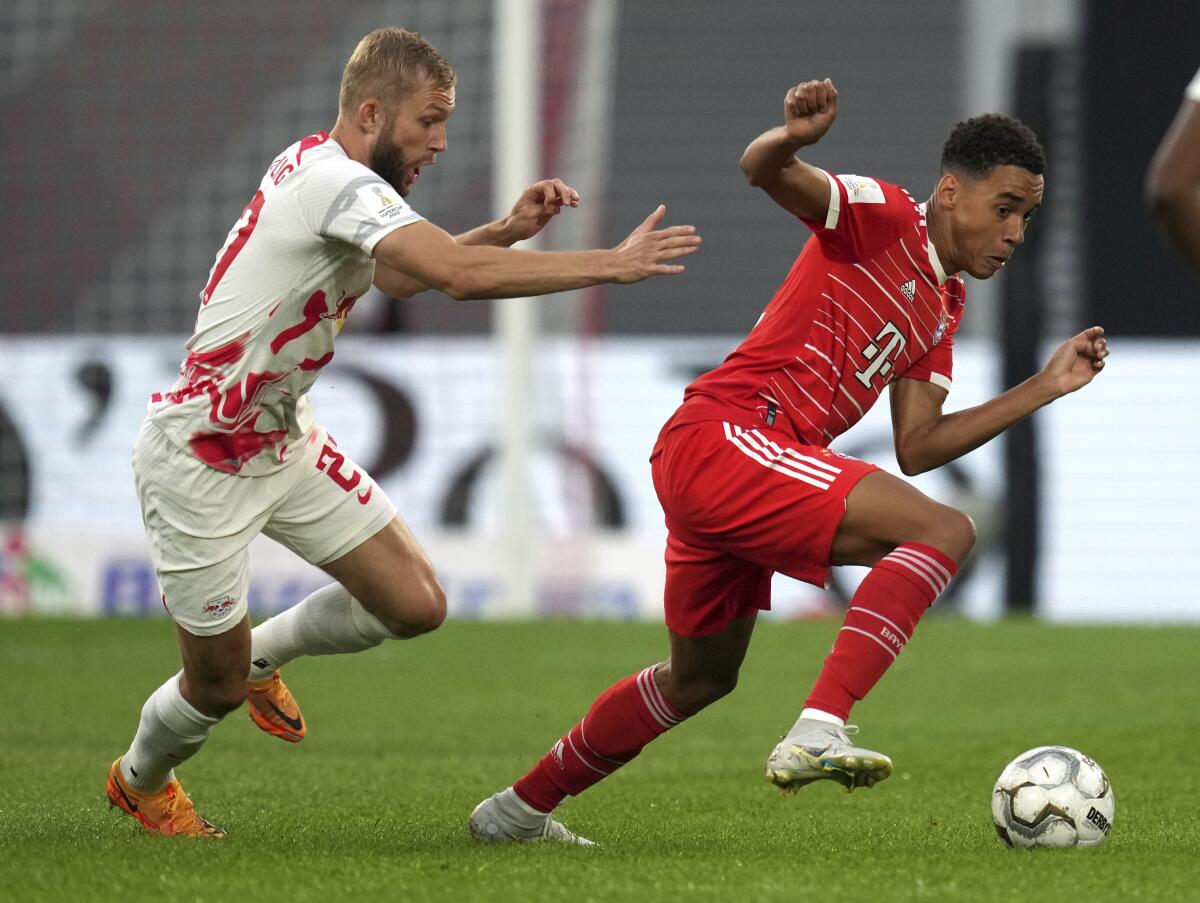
(1053, 796)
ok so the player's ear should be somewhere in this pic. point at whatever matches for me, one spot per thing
(371, 116)
(949, 190)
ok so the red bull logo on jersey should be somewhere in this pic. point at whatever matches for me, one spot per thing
(341, 309)
(214, 611)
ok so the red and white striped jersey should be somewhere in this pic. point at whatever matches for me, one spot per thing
(280, 290)
(866, 302)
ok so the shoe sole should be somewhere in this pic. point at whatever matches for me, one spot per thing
(851, 770)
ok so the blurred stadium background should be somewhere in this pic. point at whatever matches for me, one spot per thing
(136, 132)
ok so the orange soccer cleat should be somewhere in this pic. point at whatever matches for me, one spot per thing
(274, 709)
(168, 811)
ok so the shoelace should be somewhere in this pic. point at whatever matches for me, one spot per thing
(171, 803)
(179, 801)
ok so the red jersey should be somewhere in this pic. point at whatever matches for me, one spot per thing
(866, 302)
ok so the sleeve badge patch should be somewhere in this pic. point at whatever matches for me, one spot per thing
(863, 190)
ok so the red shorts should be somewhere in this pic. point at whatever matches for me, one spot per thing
(742, 503)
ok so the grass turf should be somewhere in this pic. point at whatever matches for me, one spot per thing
(404, 740)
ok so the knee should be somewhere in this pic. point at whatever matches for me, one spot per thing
(421, 609)
(963, 535)
(951, 531)
(713, 687)
(691, 693)
(430, 611)
(721, 686)
(216, 698)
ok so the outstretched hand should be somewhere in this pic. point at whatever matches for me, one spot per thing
(1076, 361)
(809, 110)
(644, 250)
(537, 205)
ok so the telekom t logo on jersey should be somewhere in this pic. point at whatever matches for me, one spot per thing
(881, 352)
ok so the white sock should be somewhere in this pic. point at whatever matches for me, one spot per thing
(171, 732)
(519, 811)
(818, 715)
(328, 622)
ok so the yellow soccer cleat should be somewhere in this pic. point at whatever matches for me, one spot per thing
(168, 812)
(274, 709)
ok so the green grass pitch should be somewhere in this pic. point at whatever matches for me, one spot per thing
(405, 739)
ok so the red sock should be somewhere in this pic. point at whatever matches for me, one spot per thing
(882, 615)
(624, 718)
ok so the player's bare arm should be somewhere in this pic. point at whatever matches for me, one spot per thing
(432, 256)
(537, 205)
(1173, 184)
(770, 161)
(926, 438)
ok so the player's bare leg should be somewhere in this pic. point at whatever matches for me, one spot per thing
(914, 546)
(392, 578)
(702, 670)
(176, 721)
(621, 722)
(386, 589)
(214, 668)
(883, 512)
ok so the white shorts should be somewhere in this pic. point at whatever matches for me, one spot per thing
(200, 520)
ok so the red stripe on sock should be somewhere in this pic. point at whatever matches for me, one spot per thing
(622, 720)
(879, 624)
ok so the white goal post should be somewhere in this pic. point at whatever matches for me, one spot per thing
(517, 138)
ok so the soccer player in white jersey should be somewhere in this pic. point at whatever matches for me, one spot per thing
(232, 450)
(1173, 180)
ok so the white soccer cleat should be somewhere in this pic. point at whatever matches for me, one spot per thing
(505, 818)
(818, 750)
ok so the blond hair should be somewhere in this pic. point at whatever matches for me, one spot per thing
(389, 63)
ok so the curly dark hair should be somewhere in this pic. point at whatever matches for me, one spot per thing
(980, 144)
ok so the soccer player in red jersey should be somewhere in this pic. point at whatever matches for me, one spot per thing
(1173, 180)
(233, 448)
(747, 481)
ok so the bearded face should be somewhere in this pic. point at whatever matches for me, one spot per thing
(388, 162)
(412, 134)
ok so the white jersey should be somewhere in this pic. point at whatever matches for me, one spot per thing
(1193, 89)
(280, 290)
